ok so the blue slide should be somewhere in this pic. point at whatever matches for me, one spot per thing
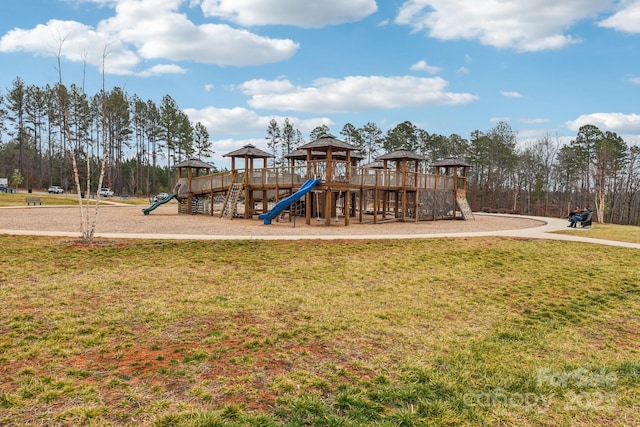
(158, 203)
(287, 201)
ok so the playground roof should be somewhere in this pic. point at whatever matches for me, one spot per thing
(374, 165)
(249, 151)
(400, 155)
(193, 163)
(326, 141)
(301, 154)
(451, 161)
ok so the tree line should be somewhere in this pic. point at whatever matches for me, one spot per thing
(543, 177)
(43, 130)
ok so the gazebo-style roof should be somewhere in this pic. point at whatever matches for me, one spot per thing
(451, 161)
(402, 154)
(193, 168)
(249, 151)
(193, 163)
(374, 165)
(325, 141)
(402, 158)
(301, 154)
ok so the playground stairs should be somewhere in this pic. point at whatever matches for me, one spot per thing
(231, 201)
(463, 204)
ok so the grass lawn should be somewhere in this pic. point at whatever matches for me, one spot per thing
(621, 233)
(18, 199)
(480, 331)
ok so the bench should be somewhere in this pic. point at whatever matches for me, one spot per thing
(586, 222)
(33, 200)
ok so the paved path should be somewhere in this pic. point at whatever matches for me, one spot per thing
(544, 231)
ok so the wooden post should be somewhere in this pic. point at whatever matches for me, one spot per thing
(396, 202)
(307, 217)
(212, 194)
(375, 199)
(435, 191)
(416, 198)
(403, 201)
(190, 197)
(347, 207)
(248, 164)
(328, 195)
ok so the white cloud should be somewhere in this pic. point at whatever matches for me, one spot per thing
(223, 146)
(522, 25)
(511, 94)
(208, 87)
(635, 80)
(300, 13)
(355, 93)
(422, 65)
(615, 122)
(73, 41)
(526, 137)
(236, 121)
(259, 87)
(626, 19)
(159, 31)
(160, 69)
(147, 30)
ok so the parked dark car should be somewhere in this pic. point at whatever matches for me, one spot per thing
(5, 189)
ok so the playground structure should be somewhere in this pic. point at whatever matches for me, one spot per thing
(323, 181)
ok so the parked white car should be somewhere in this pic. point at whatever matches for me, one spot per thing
(54, 189)
(105, 192)
(159, 197)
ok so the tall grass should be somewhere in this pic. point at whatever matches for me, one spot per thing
(428, 332)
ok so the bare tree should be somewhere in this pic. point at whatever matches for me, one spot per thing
(87, 224)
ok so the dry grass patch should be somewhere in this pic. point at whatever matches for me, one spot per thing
(317, 332)
(621, 233)
(68, 199)
(18, 199)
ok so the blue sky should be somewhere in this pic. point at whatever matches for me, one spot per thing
(546, 67)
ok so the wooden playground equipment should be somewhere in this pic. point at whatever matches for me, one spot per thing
(392, 188)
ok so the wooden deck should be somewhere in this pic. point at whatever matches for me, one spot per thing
(356, 189)
(342, 178)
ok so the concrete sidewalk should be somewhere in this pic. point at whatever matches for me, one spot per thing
(544, 231)
(547, 230)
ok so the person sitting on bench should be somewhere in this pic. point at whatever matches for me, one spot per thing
(576, 211)
(586, 218)
(579, 217)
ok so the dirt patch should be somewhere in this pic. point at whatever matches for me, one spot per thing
(165, 220)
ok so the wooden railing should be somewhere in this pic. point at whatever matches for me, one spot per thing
(340, 172)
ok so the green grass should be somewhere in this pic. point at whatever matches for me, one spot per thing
(621, 233)
(18, 199)
(482, 331)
